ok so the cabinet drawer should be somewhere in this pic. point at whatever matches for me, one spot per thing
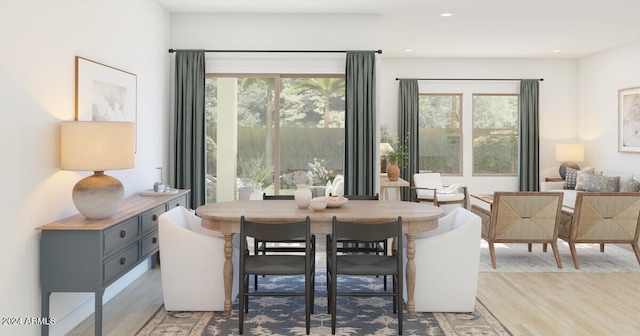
(150, 218)
(120, 235)
(150, 244)
(180, 201)
(120, 262)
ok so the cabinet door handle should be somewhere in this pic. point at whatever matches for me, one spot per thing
(123, 260)
(123, 233)
(154, 240)
(154, 217)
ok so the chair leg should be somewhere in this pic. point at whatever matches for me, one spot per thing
(544, 247)
(574, 255)
(333, 295)
(529, 247)
(400, 315)
(492, 252)
(556, 253)
(241, 303)
(636, 250)
(602, 247)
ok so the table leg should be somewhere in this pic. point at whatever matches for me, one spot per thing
(411, 273)
(398, 194)
(228, 273)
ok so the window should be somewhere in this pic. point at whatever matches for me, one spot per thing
(440, 133)
(261, 129)
(495, 134)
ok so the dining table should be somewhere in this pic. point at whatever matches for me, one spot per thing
(225, 218)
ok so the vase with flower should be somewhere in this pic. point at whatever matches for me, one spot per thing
(399, 158)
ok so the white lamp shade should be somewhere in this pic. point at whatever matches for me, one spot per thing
(97, 145)
(570, 152)
(385, 148)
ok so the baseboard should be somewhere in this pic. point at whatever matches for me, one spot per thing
(86, 309)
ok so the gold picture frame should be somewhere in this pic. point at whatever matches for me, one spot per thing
(629, 120)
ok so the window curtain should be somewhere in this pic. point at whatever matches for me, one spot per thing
(408, 126)
(360, 123)
(529, 167)
(189, 158)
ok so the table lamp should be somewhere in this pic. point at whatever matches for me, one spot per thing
(385, 149)
(97, 146)
(568, 153)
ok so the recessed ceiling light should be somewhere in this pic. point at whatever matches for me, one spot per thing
(408, 50)
(446, 14)
(557, 50)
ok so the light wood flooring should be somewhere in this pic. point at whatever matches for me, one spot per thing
(526, 303)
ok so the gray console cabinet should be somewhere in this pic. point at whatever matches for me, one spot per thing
(82, 255)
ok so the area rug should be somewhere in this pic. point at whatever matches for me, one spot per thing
(516, 258)
(356, 316)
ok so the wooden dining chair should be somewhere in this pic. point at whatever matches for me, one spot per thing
(295, 245)
(276, 264)
(355, 247)
(365, 264)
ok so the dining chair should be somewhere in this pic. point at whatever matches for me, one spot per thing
(522, 217)
(428, 187)
(192, 258)
(365, 264)
(449, 259)
(276, 264)
(295, 245)
(354, 246)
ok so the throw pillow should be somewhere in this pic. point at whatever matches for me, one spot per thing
(570, 178)
(603, 183)
(631, 185)
(583, 178)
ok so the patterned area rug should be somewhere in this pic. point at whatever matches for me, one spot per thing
(516, 258)
(356, 316)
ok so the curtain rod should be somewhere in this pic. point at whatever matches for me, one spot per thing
(275, 51)
(468, 79)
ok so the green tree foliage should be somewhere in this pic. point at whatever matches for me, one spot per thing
(327, 87)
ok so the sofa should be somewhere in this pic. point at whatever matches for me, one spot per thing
(591, 180)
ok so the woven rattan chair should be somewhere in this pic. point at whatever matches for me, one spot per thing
(365, 264)
(603, 217)
(276, 264)
(522, 217)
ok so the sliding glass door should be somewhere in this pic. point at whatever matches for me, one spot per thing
(265, 133)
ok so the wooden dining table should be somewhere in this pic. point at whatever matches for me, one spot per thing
(225, 217)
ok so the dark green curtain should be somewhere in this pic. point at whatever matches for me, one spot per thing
(408, 124)
(360, 123)
(190, 159)
(529, 167)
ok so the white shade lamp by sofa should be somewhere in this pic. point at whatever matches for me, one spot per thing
(569, 153)
(97, 146)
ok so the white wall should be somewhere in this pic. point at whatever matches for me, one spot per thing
(600, 78)
(39, 40)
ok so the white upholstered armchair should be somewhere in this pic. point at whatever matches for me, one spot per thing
(192, 259)
(447, 262)
(427, 187)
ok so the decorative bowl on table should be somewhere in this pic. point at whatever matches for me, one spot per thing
(336, 201)
(318, 203)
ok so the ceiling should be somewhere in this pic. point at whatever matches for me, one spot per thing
(476, 28)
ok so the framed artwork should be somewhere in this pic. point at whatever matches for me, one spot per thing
(629, 120)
